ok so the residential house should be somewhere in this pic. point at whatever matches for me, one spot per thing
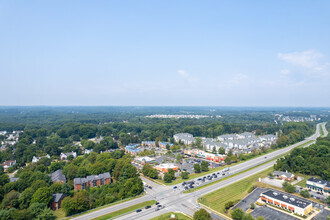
(57, 200)
(186, 138)
(64, 156)
(58, 177)
(36, 159)
(91, 181)
(8, 163)
(88, 151)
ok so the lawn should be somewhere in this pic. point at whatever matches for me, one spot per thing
(126, 210)
(59, 213)
(236, 191)
(166, 216)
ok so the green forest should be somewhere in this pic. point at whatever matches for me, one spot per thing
(34, 187)
(312, 160)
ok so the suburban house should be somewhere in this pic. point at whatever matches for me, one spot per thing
(88, 151)
(164, 144)
(13, 179)
(8, 163)
(164, 167)
(58, 177)
(227, 137)
(91, 181)
(186, 138)
(245, 135)
(133, 149)
(64, 156)
(288, 202)
(318, 185)
(36, 159)
(57, 200)
(149, 143)
(284, 175)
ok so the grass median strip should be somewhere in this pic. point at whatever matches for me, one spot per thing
(167, 216)
(236, 191)
(126, 210)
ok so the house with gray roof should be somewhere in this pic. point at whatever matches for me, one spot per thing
(58, 177)
(186, 138)
(283, 175)
(57, 200)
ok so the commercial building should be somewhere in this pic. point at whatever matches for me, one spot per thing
(283, 175)
(288, 202)
(91, 181)
(144, 160)
(164, 167)
(318, 185)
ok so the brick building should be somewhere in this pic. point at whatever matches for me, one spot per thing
(91, 181)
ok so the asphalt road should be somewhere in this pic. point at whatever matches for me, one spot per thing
(173, 200)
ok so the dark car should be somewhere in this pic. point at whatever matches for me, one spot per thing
(184, 183)
(186, 188)
(175, 187)
(138, 210)
(150, 187)
(148, 207)
(159, 206)
(223, 174)
(157, 203)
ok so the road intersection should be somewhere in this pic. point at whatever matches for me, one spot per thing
(174, 200)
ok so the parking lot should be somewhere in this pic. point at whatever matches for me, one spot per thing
(322, 215)
(271, 214)
(245, 204)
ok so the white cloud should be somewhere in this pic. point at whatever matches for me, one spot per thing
(183, 73)
(309, 62)
(285, 71)
(187, 76)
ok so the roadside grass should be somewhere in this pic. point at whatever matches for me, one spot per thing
(59, 213)
(125, 210)
(302, 183)
(105, 206)
(236, 191)
(321, 131)
(167, 216)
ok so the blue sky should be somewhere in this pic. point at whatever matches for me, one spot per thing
(215, 53)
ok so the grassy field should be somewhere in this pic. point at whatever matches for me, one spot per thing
(236, 191)
(126, 210)
(166, 216)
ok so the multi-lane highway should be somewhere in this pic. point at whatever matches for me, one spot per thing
(173, 200)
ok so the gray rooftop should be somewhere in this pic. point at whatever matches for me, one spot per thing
(91, 178)
(294, 200)
(57, 197)
(58, 175)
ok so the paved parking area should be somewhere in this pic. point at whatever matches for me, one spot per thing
(322, 215)
(245, 204)
(271, 214)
